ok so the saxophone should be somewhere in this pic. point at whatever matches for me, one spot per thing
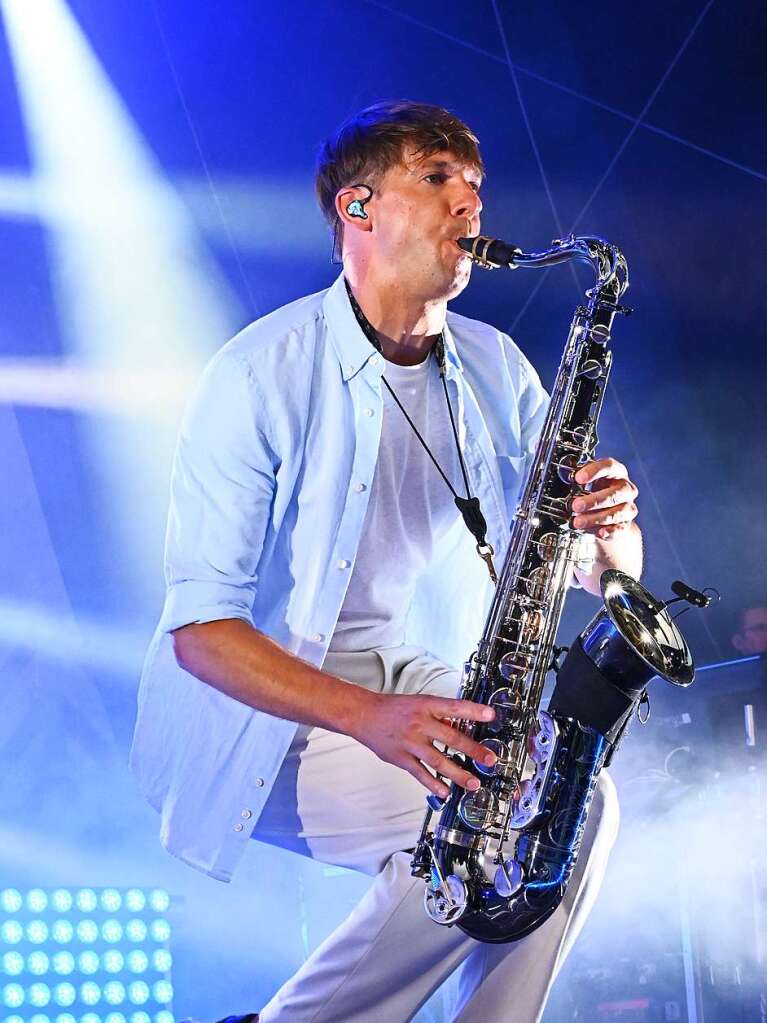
(497, 860)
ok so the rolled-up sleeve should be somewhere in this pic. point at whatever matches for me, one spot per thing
(222, 486)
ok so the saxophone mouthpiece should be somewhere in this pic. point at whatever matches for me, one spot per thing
(490, 253)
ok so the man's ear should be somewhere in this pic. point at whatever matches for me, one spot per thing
(739, 643)
(352, 207)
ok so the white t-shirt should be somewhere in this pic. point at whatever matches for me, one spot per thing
(410, 510)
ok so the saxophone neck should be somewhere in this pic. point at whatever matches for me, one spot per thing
(605, 259)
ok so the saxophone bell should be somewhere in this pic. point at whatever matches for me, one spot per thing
(631, 640)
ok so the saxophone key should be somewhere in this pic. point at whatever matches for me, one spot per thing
(524, 804)
(446, 902)
(537, 582)
(542, 739)
(478, 809)
(514, 665)
(508, 710)
(567, 468)
(508, 878)
(547, 546)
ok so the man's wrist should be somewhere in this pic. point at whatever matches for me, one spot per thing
(623, 552)
(353, 706)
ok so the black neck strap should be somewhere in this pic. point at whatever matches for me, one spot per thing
(468, 506)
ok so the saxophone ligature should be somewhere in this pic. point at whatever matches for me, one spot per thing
(497, 860)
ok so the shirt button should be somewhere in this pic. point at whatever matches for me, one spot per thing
(238, 827)
(259, 782)
(359, 488)
(350, 369)
(246, 815)
(343, 563)
(318, 637)
(375, 360)
(369, 412)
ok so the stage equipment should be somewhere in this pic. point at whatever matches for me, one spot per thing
(499, 858)
(93, 955)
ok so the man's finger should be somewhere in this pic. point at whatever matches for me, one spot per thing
(444, 707)
(620, 515)
(456, 740)
(600, 468)
(619, 492)
(427, 779)
(450, 769)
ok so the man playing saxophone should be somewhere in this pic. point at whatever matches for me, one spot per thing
(323, 585)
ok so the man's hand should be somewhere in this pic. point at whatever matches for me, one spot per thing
(608, 512)
(610, 506)
(402, 730)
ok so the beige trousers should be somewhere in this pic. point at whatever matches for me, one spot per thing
(335, 801)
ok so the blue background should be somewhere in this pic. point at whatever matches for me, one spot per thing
(642, 123)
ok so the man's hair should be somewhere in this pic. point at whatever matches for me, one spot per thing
(367, 145)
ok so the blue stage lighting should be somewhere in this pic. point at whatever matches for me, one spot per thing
(39, 1017)
(113, 961)
(37, 931)
(11, 932)
(86, 900)
(14, 1019)
(38, 963)
(137, 961)
(10, 900)
(160, 930)
(159, 900)
(162, 991)
(140, 1017)
(111, 931)
(65, 1017)
(135, 900)
(113, 992)
(88, 931)
(135, 930)
(138, 992)
(62, 931)
(63, 962)
(90, 992)
(110, 900)
(64, 994)
(163, 1017)
(162, 960)
(13, 963)
(39, 995)
(90, 1017)
(13, 995)
(114, 1017)
(37, 900)
(61, 900)
(88, 962)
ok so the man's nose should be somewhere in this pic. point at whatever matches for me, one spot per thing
(467, 203)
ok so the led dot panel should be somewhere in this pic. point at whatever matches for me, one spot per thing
(85, 955)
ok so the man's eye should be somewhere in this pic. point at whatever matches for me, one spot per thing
(435, 179)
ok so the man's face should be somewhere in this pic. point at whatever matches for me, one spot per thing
(422, 206)
(752, 638)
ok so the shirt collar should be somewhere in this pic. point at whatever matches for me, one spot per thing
(352, 347)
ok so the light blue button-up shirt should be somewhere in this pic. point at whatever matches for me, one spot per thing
(265, 520)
